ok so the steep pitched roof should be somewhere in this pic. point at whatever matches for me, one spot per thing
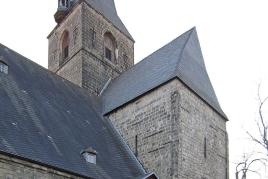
(182, 58)
(47, 119)
(108, 10)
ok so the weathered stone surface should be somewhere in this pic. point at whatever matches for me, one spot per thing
(11, 168)
(86, 64)
(173, 132)
(168, 127)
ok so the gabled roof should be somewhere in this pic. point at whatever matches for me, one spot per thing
(48, 120)
(182, 58)
(108, 10)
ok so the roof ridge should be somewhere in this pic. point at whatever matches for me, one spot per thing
(48, 71)
(24, 57)
(163, 46)
(145, 59)
(102, 12)
(182, 51)
(61, 108)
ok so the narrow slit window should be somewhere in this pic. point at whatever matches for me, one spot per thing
(3, 68)
(205, 147)
(75, 36)
(136, 146)
(125, 62)
(93, 37)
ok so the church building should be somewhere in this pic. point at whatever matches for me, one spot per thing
(94, 114)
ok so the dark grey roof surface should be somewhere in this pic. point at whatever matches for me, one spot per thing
(181, 58)
(107, 9)
(49, 120)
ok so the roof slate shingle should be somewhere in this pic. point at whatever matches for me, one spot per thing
(49, 120)
(108, 10)
(182, 58)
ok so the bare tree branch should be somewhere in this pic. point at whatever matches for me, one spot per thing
(256, 140)
(244, 167)
(261, 124)
(248, 162)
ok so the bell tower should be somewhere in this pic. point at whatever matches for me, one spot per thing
(89, 44)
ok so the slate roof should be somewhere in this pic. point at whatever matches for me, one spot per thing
(47, 119)
(182, 58)
(108, 10)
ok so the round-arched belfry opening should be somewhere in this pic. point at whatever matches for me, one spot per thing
(65, 40)
(110, 47)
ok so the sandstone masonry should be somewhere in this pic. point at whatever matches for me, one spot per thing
(12, 168)
(86, 64)
(175, 133)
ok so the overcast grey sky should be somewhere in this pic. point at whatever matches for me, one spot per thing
(233, 36)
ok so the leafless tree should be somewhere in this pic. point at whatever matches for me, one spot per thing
(245, 167)
(248, 162)
(261, 124)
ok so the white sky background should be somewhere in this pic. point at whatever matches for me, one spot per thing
(233, 36)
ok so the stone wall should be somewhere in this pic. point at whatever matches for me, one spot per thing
(175, 133)
(72, 24)
(86, 65)
(96, 72)
(12, 168)
(72, 71)
(93, 21)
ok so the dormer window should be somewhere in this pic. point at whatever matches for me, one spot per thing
(3, 67)
(90, 155)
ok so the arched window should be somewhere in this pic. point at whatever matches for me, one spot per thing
(109, 47)
(65, 45)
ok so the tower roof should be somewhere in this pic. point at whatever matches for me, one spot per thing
(182, 58)
(48, 120)
(108, 10)
(104, 7)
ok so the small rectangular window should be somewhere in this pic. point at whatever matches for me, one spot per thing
(90, 155)
(90, 158)
(108, 54)
(3, 68)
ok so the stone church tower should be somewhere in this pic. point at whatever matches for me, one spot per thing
(90, 44)
(164, 107)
